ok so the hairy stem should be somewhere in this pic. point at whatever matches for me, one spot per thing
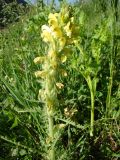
(51, 135)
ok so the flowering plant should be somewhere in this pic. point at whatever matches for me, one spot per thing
(59, 34)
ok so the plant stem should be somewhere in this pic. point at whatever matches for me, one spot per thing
(51, 135)
(108, 100)
(92, 114)
(51, 104)
(90, 84)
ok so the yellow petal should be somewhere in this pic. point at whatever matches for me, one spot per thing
(64, 73)
(41, 95)
(72, 19)
(53, 16)
(62, 125)
(38, 60)
(41, 74)
(57, 33)
(63, 58)
(53, 24)
(46, 36)
(46, 33)
(62, 42)
(51, 53)
(59, 85)
(53, 21)
(46, 28)
(68, 29)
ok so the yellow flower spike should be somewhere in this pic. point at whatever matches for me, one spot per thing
(41, 74)
(59, 34)
(38, 60)
(59, 85)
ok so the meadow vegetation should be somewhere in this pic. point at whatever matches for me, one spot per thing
(71, 111)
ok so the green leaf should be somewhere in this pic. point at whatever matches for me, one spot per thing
(15, 123)
(116, 155)
(13, 92)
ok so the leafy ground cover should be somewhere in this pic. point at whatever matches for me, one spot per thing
(86, 122)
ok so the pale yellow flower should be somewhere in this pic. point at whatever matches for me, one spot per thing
(63, 73)
(53, 16)
(62, 125)
(38, 60)
(59, 85)
(70, 112)
(51, 53)
(53, 21)
(63, 58)
(68, 30)
(46, 33)
(72, 19)
(57, 33)
(62, 42)
(41, 94)
(41, 74)
(46, 36)
(53, 24)
(47, 28)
